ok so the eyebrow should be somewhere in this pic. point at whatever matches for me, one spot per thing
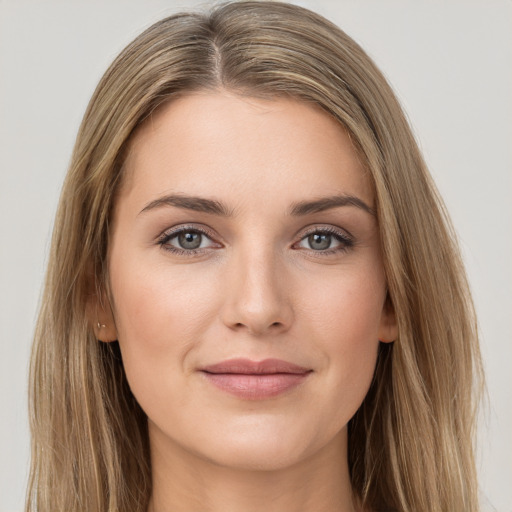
(327, 203)
(198, 204)
(298, 209)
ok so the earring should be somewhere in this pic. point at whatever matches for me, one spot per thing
(100, 326)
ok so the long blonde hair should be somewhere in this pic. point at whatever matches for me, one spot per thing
(410, 443)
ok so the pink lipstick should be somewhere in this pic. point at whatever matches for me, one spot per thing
(255, 380)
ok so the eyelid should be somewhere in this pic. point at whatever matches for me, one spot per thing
(346, 239)
(185, 227)
(319, 228)
(174, 231)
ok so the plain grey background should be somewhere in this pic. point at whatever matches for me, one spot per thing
(450, 64)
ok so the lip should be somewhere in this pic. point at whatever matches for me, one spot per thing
(255, 380)
(248, 367)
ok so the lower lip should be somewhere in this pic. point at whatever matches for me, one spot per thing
(256, 387)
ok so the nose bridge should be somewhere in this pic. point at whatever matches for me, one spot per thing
(256, 299)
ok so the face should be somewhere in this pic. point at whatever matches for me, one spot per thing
(244, 230)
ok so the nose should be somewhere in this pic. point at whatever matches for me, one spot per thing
(258, 294)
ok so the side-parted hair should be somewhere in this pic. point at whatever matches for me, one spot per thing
(411, 441)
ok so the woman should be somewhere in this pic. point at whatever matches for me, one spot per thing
(254, 300)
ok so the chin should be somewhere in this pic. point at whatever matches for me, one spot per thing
(247, 456)
(269, 449)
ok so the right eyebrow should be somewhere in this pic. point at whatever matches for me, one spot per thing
(198, 204)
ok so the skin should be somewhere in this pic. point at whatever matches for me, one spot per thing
(256, 289)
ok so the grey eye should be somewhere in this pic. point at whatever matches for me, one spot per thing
(325, 241)
(189, 239)
(319, 241)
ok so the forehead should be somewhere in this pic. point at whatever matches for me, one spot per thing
(222, 144)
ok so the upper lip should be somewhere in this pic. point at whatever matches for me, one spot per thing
(248, 367)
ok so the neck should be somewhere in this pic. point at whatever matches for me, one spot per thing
(185, 482)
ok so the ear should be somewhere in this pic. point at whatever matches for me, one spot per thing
(100, 317)
(388, 329)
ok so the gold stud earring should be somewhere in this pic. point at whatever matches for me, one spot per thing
(100, 326)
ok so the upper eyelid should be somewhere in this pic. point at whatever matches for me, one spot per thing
(332, 230)
(300, 235)
(164, 240)
(343, 237)
(176, 230)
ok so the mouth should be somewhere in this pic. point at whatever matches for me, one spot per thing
(255, 380)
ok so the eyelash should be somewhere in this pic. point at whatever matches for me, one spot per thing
(167, 236)
(345, 240)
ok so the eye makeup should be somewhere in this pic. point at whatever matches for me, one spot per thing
(327, 239)
(192, 240)
(187, 235)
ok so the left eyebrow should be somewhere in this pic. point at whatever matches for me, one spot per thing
(326, 203)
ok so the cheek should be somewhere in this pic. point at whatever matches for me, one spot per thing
(155, 304)
(348, 306)
(345, 315)
(161, 314)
